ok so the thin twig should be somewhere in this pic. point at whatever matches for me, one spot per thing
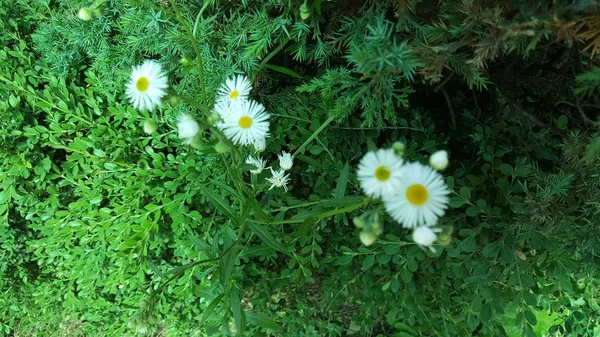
(447, 97)
(581, 112)
(516, 106)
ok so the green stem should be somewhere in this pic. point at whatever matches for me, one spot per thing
(314, 135)
(194, 45)
(272, 54)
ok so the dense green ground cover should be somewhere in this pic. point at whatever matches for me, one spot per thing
(108, 231)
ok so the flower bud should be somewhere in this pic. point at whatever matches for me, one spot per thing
(174, 99)
(424, 236)
(196, 143)
(398, 148)
(367, 238)
(376, 228)
(304, 11)
(213, 118)
(150, 126)
(86, 14)
(221, 147)
(358, 222)
(439, 160)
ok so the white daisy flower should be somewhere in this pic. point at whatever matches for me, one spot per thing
(147, 85)
(235, 89)
(425, 236)
(188, 128)
(285, 160)
(279, 179)
(260, 144)
(439, 160)
(247, 123)
(379, 173)
(259, 163)
(421, 198)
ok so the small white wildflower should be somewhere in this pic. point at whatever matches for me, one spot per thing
(279, 179)
(439, 160)
(245, 122)
(425, 236)
(188, 128)
(235, 89)
(259, 163)
(285, 160)
(420, 199)
(147, 85)
(379, 173)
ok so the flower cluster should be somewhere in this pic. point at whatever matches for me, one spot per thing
(414, 195)
(241, 119)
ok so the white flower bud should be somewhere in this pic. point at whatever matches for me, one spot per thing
(285, 160)
(439, 160)
(367, 238)
(188, 128)
(260, 145)
(424, 236)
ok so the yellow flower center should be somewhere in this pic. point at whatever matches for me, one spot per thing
(234, 94)
(245, 122)
(142, 84)
(417, 194)
(382, 173)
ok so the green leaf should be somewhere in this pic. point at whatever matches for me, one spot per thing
(530, 317)
(263, 233)
(219, 202)
(283, 70)
(465, 193)
(401, 327)
(486, 312)
(456, 202)
(507, 170)
(344, 260)
(261, 320)
(342, 181)
(368, 262)
(468, 245)
(491, 249)
(155, 269)
(236, 309)
(210, 309)
(530, 298)
(472, 211)
(450, 182)
(562, 122)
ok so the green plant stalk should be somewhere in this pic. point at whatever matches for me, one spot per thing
(194, 45)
